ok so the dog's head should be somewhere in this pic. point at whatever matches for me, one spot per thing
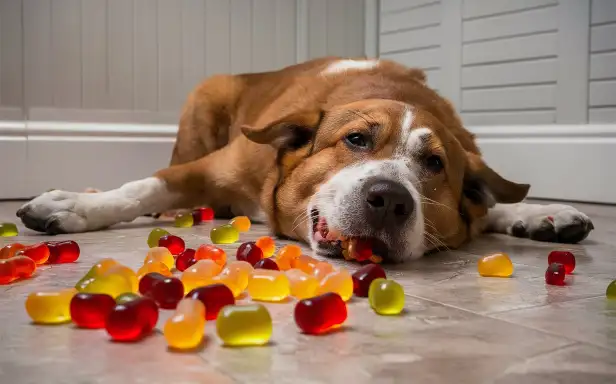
(383, 170)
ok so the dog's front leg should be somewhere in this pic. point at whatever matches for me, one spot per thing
(551, 222)
(68, 212)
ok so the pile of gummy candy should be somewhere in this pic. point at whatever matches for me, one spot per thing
(127, 303)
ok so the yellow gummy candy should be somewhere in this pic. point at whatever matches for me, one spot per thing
(303, 285)
(239, 271)
(161, 254)
(339, 282)
(496, 265)
(386, 297)
(199, 274)
(268, 285)
(184, 330)
(241, 223)
(50, 307)
(232, 320)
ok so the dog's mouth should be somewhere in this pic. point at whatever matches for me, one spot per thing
(334, 243)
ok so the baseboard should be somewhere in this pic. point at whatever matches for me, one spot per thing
(565, 162)
(75, 156)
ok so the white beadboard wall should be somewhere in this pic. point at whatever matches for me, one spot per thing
(136, 60)
(90, 90)
(535, 80)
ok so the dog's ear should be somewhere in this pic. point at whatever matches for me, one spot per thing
(292, 131)
(483, 185)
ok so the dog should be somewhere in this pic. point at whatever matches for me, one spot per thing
(326, 151)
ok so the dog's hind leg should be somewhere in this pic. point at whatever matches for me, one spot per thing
(556, 223)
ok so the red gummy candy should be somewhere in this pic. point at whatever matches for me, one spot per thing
(320, 314)
(360, 249)
(165, 291)
(250, 253)
(185, 260)
(214, 297)
(90, 310)
(173, 243)
(39, 253)
(364, 276)
(62, 251)
(202, 214)
(563, 257)
(16, 267)
(267, 263)
(132, 320)
(555, 274)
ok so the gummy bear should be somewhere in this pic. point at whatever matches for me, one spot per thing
(174, 244)
(287, 255)
(199, 274)
(249, 252)
(161, 254)
(302, 285)
(268, 285)
(364, 276)
(184, 220)
(241, 223)
(555, 274)
(214, 297)
(267, 245)
(155, 236)
(212, 252)
(267, 263)
(339, 282)
(17, 267)
(185, 260)
(39, 253)
(239, 271)
(90, 310)
(63, 251)
(132, 320)
(50, 307)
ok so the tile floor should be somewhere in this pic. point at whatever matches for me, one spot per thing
(457, 327)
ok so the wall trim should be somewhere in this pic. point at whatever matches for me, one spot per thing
(558, 161)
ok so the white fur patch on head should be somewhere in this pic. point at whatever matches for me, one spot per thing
(347, 65)
(411, 141)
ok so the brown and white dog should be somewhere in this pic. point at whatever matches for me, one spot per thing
(363, 146)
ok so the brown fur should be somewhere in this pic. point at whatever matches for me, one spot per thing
(235, 151)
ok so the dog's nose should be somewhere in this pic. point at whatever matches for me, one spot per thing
(387, 204)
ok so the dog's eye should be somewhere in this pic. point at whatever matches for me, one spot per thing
(434, 163)
(358, 140)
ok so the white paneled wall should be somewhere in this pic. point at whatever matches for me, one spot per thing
(602, 92)
(90, 90)
(136, 60)
(505, 62)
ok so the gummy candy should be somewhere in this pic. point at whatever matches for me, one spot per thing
(153, 266)
(97, 269)
(17, 267)
(204, 214)
(286, 255)
(225, 234)
(322, 269)
(8, 230)
(39, 253)
(320, 314)
(610, 292)
(185, 259)
(184, 330)
(165, 291)
(174, 244)
(239, 271)
(360, 249)
(229, 282)
(212, 252)
(232, 330)
(199, 274)
(386, 297)
(305, 263)
(364, 276)
(11, 250)
(339, 282)
(184, 220)
(241, 223)
(214, 297)
(496, 265)
(267, 245)
(302, 285)
(563, 257)
(126, 297)
(161, 254)
(90, 310)
(62, 251)
(555, 274)
(268, 285)
(50, 307)
(267, 263)
(249, 252)
(155, 236)
(132, 320)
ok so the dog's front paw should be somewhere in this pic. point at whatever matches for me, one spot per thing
(554, 223)
(53, 212)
